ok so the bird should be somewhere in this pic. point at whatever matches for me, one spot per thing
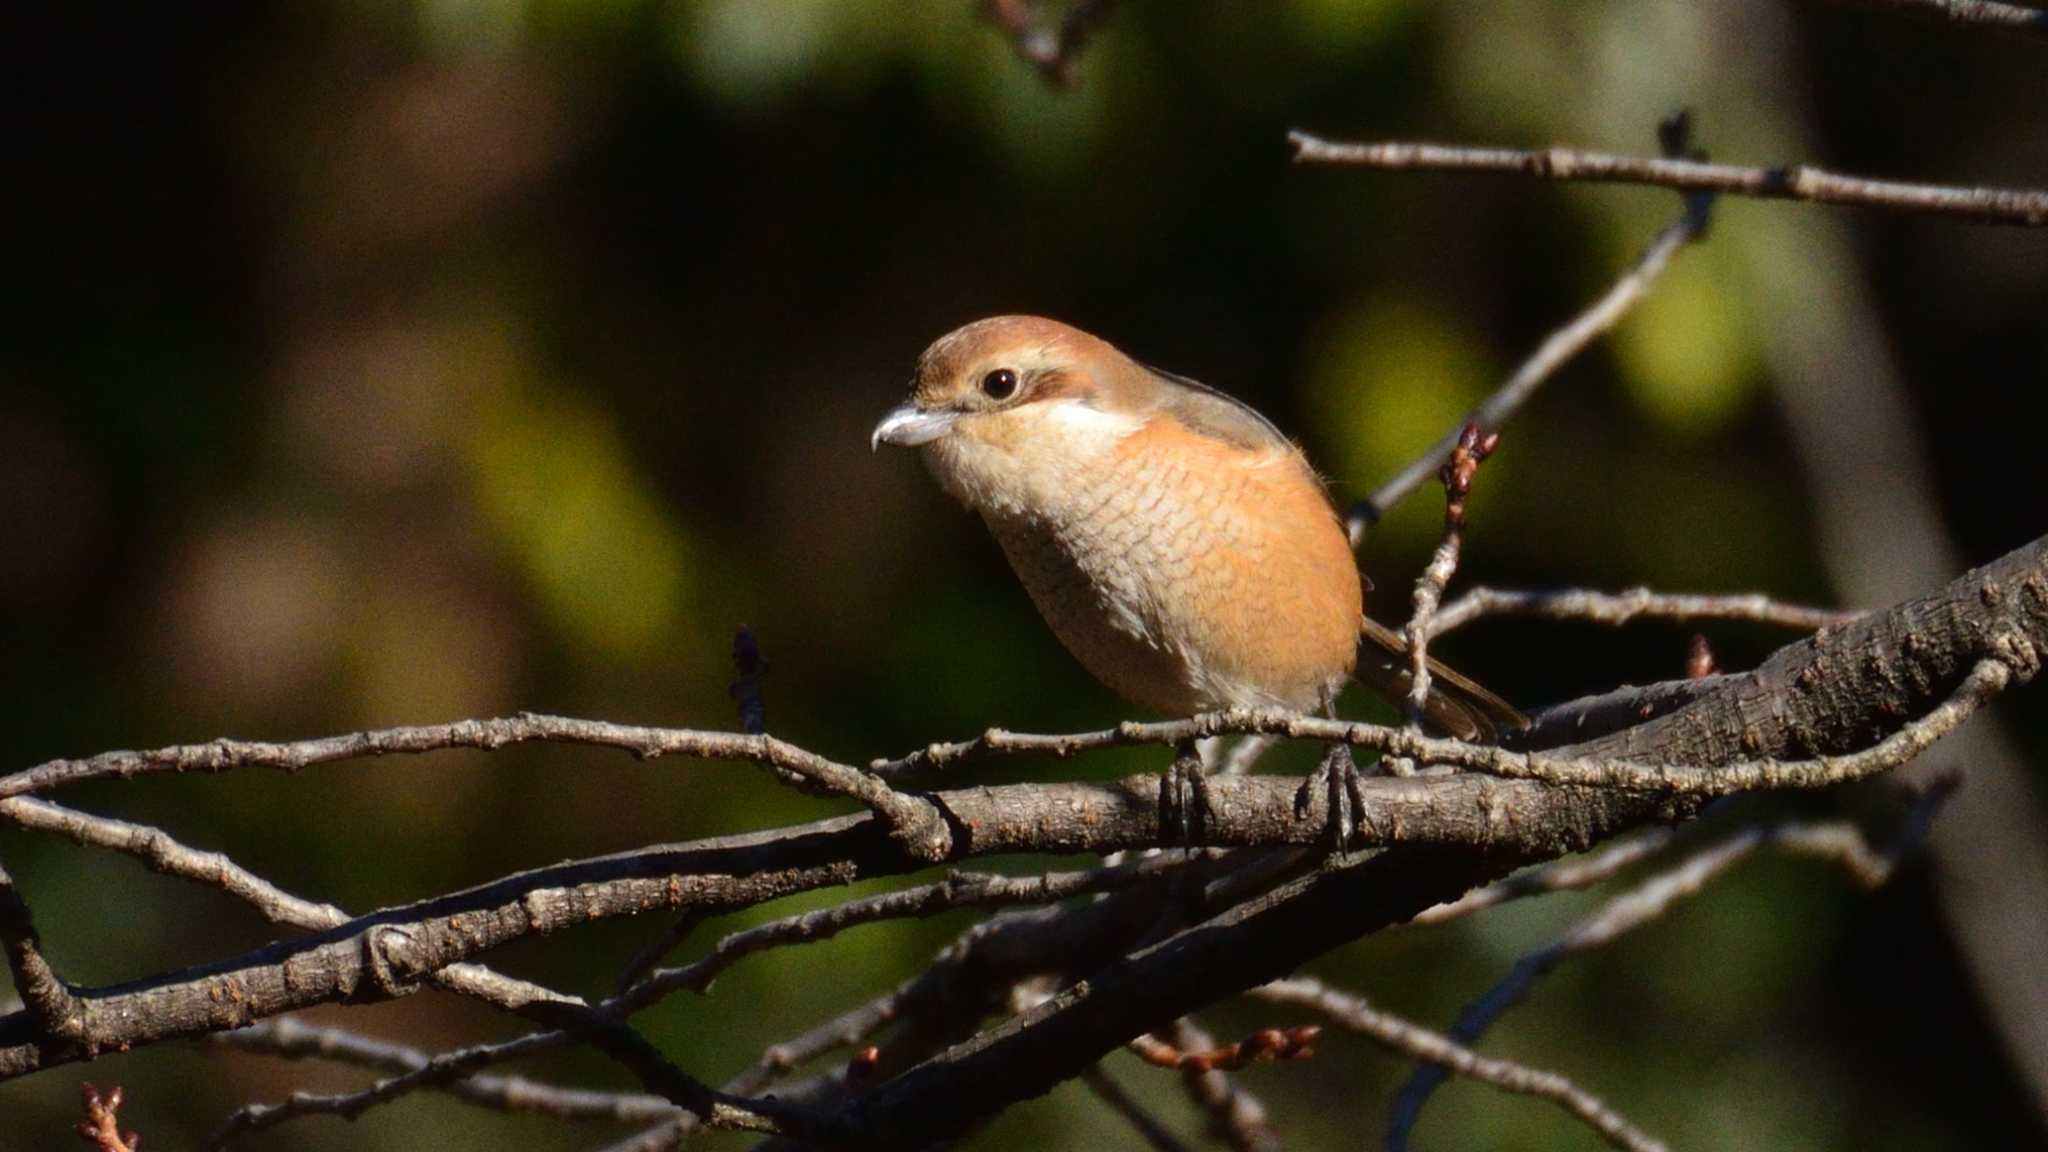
(1179, 545)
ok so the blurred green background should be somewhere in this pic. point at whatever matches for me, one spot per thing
(380, 362)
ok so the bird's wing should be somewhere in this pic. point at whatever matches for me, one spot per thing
(1218, 415)
(1457, 705)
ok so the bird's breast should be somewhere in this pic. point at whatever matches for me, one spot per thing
(1187, 574)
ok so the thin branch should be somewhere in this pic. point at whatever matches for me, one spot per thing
(714, 1107)
(1619, 608)
(448, 1070)
(2017, 206)
(1235, 1115)
(842, 1031)
(288, 1038)
(389, 955)
(2012, 18)
(1986, 680)
(1556, 876)
(921, 828)
(1839, 841)
(1557, 348)
(102, 1126)
(1471, 451)
(1830, 692)
(1613, 711)
(959, 890)
(165, 854)
(54, 1014)
(650, 955)
(1433, 1048)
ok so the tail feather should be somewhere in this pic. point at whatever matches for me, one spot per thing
(1456, 706)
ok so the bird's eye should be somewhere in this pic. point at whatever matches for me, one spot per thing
(1000, 384)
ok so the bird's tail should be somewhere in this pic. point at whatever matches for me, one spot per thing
(1457, 706)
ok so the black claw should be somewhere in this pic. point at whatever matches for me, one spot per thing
(1337, 775)
(1184, 798)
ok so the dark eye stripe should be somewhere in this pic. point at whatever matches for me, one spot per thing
(1000, 384)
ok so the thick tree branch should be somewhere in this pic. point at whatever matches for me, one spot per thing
(1875, 675)
(1830, 694)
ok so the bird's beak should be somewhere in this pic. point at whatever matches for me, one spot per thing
(907, 426)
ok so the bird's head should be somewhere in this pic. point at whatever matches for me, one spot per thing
(1005, 408)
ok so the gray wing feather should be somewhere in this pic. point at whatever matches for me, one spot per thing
(1215, 413)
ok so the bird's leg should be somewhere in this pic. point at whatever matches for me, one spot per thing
(1337, 774)
(1184, 796)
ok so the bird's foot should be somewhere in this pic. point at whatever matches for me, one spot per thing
(1184, 807)
(1336, 775)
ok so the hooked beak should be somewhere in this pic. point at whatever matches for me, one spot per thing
(907, 426)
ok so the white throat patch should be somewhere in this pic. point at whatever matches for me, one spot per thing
(1023, 460)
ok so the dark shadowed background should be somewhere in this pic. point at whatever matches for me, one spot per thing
(382, 362)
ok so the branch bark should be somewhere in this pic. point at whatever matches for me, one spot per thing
(2027, 207)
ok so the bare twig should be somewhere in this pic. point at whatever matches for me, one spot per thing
(917, 823)
(164, 854)
(1839, 841)
(450, 1070)
(1204, 1055)
(102, 1126)
(289, 1038)
(53, 1012)
(714, 1107)
(2019, 206)
(1471, 451)
(1618, 608)
(388, 955)
(1440, 1051)
(1739, 776)
(1557, 348)
(2013, 18)
(1829, 692)
(1985, 681)
(1556, 876)
(1616, 710)
(959, 890)
(1235, 1116)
